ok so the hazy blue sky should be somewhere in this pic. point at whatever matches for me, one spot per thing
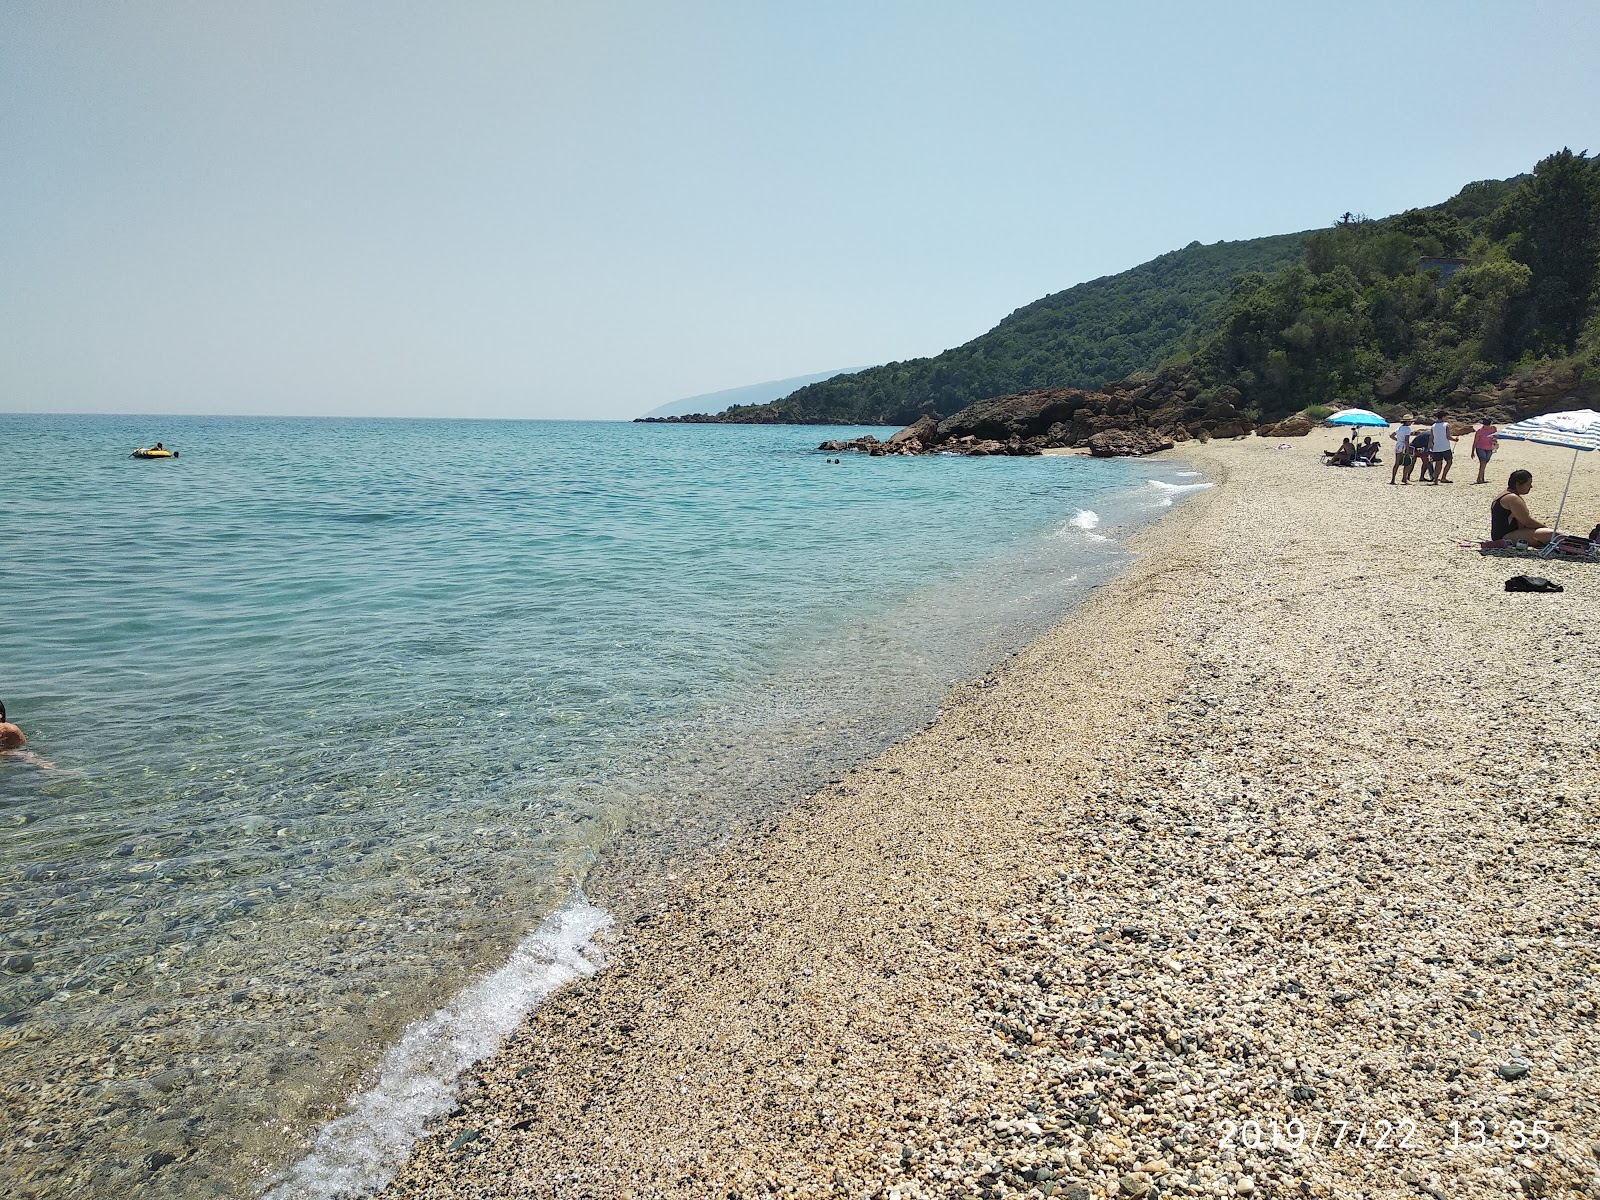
(590, 208)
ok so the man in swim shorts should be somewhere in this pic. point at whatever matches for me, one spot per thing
(1402, 451)
(1440, 447)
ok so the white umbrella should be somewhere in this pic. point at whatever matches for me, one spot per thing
(1576, 430)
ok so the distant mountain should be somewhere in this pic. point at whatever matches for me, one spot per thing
(752, 393)
(1083, 337)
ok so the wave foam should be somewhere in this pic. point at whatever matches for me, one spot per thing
(1168, 492)
(356, 1154)
(1085, 521)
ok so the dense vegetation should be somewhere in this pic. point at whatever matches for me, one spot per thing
(1352, 314)
(1361, 321)
(1082, 337)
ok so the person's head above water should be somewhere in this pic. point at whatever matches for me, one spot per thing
(10, 736)
(1521, 482)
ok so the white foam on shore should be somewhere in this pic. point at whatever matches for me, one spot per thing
(1086, 521)
(358, 1153)
(1168, 492)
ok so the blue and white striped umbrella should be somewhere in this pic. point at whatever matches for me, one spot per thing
(1578, 429)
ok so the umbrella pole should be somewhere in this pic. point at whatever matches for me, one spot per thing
(1556, 528)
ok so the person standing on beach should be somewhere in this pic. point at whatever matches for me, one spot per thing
(1421, 439)
(1402, 451)
(1443, 455)
(1404, 458)
(1484, 444)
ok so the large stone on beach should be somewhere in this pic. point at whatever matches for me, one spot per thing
(1296, 426)
(1126, 443)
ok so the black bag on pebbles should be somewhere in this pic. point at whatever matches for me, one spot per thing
(1532, 583)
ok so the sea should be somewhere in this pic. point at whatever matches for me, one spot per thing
(333, 725)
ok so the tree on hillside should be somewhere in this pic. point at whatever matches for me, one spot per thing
(1551, 224)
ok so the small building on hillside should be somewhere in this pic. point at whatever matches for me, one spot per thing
(1445, 266)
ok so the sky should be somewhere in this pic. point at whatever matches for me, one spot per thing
(589, 208)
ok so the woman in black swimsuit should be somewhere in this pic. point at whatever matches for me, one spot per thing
(1509, 518)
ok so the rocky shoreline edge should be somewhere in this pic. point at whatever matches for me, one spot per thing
(1144, 416)
(1185, 899)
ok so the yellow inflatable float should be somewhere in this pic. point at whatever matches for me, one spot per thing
(156, 451)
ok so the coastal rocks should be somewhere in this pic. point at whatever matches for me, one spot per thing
(1298, 425)
(1030, 423)
(1127, 443)
(1392, 385)
(1025, 416)
(1148, 413)
(866, 444)
(922, 431)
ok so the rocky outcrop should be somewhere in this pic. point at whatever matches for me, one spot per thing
(1527, 394)
(1296, 426)
(1027, 416)
(922, 431)
(1145, 414)
(1124, 443)
(1141, 415)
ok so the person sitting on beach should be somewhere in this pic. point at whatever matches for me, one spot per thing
(10, 736)
(1509, 517)
(1368, 453)
(1402, 450)
(1342, 456)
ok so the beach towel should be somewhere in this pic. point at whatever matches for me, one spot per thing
(1567, 548)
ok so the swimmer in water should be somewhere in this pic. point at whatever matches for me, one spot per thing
(12, 742)
(10, 736)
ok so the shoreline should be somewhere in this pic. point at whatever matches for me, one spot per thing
(641, 850)
(1053, 942)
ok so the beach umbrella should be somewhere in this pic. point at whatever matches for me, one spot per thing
(1576, 430)
(1357, 416)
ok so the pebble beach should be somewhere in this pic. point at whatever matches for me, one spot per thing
(1271, 871)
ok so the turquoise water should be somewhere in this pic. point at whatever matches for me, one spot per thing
(326, 716)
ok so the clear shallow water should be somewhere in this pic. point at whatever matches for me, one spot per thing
(339, 711)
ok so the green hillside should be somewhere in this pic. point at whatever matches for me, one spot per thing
(1085, 336)
(1367, 319)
